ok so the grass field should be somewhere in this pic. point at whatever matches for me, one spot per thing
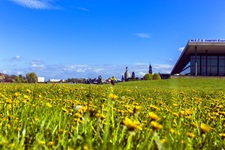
(164, 114)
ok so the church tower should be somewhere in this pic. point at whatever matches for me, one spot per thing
(150, 69)
(127, 74)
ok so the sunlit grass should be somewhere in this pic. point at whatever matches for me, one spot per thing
(165, 114)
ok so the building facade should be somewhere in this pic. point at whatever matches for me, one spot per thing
(202, 58)
(126, 74)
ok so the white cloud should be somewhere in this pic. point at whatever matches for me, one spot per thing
(143, 35)
(162, 66)
(140, 74)
(64, 71)
(181, 49)
(97, 70)
(170, 59)
(81, 70)
(37, 65)
(141, 64)
(81, 8)
(35, 4)
(17, 58)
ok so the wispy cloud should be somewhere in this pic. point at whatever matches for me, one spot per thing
(35, 4)
(65, 71)
(15, 58)
(81, 8)
(37, 65)
(181, 49)
(170, 60)
(142, 35)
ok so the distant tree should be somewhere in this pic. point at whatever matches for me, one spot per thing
(148, 76)
(6, 77)
(156, 76)
(14, 77)
(19, 79)
(137, 78)
(31, 77)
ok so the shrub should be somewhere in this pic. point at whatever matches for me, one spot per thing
(156, 76)
(148, 76)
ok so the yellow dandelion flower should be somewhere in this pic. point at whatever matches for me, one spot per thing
(175, 105)
(28, 91)
(8, 125)
(50, 143)
(137, 108)
(154, 107)
(113, 96)
(48, 105)
(172, 130)
(8, 101)
(163, 141)
(11, 145)
(85, 147)
(191, 135)
(131, 125)
(175, 114)
(26, 97)
(205, 128)
(194, 124)
(17, 94)
(69, 148)
(156, 125)
(153, 116)
(222, 135)
(101, 116)
(77, 115)
(42, 142)
(65, 110)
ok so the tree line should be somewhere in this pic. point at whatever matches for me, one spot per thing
(29, 78)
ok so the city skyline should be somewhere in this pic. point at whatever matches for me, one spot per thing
(65, 39)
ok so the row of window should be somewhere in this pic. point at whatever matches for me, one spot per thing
(210, 65)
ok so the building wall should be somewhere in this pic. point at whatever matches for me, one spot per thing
(213, 65)
(41, 79)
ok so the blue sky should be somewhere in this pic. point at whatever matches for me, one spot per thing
(86, 38)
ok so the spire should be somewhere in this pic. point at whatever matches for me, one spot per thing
(150, 69)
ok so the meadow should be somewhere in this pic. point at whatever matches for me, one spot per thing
(158, 114)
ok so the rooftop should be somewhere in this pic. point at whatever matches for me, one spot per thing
(213, 47)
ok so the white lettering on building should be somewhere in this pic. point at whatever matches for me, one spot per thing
(208, 41)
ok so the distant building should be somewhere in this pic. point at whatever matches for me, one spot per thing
(122, 79)
(202, 57)
(133, 76)
(41, 79)
(55, 80)
(2, 77)
(150, 69)
(126, 74)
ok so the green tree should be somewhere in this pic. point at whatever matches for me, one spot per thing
(148, 76)
(156, 76)
(31, 77)
(19, 79)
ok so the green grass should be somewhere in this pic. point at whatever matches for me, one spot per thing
(44, 116)
(178, 83)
